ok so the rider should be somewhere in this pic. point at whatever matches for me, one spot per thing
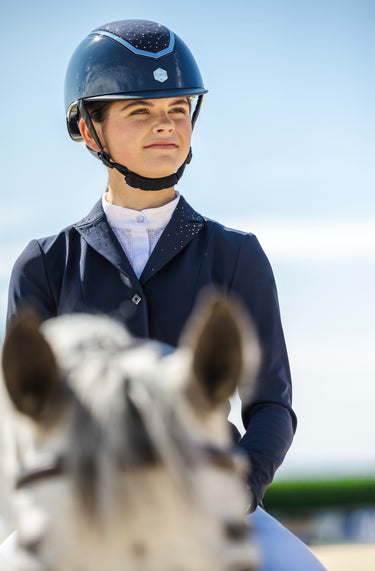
(133, 93)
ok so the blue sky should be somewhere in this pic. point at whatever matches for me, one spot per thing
(284, 147)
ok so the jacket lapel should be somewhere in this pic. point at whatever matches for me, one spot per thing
(181, 229)
(96, 231)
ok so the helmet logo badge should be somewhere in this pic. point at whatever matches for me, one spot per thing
(160, 75)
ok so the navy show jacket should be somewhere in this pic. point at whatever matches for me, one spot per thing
(84, 269)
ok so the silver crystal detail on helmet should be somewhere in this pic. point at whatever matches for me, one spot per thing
(160, 75)
(141, 50)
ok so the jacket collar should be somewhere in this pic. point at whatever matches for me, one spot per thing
(181, 229)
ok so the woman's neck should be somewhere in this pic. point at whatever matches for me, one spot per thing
(121, 194)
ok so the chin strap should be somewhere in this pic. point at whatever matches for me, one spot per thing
(131, 178)
(138, 181)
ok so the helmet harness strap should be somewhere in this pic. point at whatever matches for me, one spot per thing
(131, 178)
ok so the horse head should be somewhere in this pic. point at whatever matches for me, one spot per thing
(126, 457)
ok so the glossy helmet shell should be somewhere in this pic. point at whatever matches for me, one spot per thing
(129, 59)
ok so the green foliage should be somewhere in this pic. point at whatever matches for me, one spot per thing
(309, 495)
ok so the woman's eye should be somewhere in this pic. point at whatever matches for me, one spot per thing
(180, 110)
(142, 111)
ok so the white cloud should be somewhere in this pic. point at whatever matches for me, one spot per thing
(320, 240)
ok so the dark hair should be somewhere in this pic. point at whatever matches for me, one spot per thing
(97, 109)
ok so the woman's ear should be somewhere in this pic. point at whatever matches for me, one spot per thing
(87, 137)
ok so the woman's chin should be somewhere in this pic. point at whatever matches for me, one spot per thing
(158, 173)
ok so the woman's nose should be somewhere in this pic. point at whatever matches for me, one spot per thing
(163, 123)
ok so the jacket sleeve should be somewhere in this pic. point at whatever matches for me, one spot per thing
(267, 416)
(30, 285)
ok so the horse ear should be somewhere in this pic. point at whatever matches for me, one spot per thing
(29, 366)
(224, 348)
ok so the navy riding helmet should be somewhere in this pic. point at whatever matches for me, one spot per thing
(130, 59)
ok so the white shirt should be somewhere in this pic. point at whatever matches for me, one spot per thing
(138, 230)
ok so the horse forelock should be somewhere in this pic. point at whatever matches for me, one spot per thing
(123, 418)
(139, 431)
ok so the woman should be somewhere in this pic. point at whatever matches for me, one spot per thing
(143, 254)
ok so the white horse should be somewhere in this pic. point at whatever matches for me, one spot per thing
(125, 456)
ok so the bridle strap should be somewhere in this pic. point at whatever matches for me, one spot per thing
(52, 468)
(226, 458)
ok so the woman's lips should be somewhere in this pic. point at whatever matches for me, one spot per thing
(162, 146)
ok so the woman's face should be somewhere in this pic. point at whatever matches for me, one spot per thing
(150, 136)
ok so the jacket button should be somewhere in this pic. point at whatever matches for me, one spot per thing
(136, 299)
